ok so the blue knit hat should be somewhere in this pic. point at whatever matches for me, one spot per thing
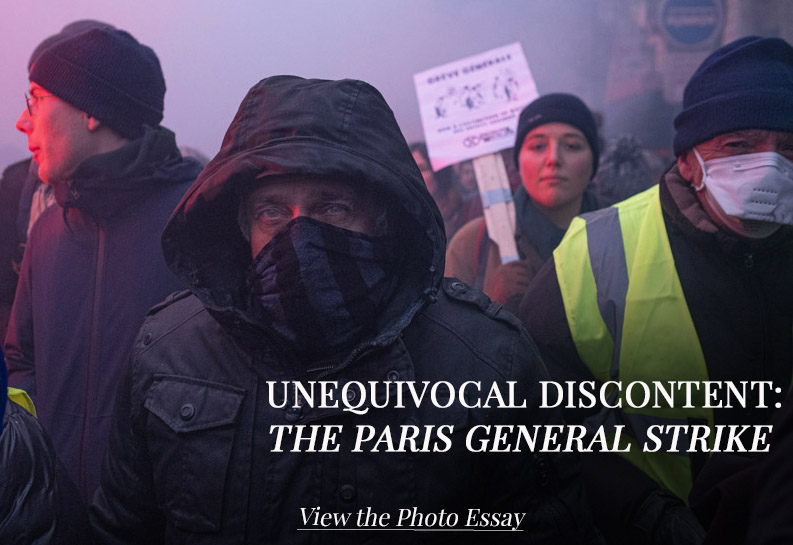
(558, 108)
(107, 74)
(746, 84)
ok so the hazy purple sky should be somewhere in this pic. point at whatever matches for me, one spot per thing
(213, 51)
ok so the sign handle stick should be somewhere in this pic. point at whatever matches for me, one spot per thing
(491, 177)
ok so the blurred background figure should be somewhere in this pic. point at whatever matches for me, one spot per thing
(465, 179)
(12, 234)
(194, 153)
(508, 155)
(442, 188)
(625, 170)
(556, 153)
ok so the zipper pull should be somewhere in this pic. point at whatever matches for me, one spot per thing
(748, 260)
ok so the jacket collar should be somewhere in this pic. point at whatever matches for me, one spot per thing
(535, 228)
(104, 184)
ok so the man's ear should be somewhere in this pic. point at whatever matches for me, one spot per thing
(688, 166)
(92, 123)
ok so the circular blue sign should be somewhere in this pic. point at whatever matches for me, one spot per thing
(692, 22)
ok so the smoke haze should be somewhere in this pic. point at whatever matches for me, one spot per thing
(212, 52)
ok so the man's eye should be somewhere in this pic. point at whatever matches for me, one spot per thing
(575, 146)
(736, 144)
(337, 209)
(271, 214)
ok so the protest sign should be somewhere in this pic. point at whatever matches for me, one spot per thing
(470, 107)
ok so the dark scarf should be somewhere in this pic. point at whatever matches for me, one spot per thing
(544, 234)
(322, 288)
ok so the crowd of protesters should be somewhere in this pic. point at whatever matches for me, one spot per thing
(148, 295)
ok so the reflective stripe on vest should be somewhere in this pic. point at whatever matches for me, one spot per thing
(630, 322)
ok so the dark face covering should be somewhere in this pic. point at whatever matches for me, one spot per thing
(322, 287)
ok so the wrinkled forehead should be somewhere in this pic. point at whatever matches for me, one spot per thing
(293, 188)
(752, 138)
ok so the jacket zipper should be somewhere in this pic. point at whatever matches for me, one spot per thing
(93, 352)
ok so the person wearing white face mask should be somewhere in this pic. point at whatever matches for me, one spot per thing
(688, 281)
(750, 194)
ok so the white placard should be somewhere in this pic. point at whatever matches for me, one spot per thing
(470, 107)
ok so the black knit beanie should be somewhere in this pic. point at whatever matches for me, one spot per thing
(558, 108)
(746, 84)
(75, 27)
(109, 75)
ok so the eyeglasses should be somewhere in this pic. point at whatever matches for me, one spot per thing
(31, 101)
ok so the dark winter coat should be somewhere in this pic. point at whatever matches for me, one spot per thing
(190, 457)
(473, 258)
(742, 308)
(39, 504)
(771, 498)
(92, 268)
(15, 186)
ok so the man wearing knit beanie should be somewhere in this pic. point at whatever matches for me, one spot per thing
(687, 281)
(113, 82)
(23, 196)
(92, 264)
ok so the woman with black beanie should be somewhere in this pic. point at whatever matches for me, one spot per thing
(556, 152)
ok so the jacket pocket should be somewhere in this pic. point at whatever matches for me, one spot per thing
(191, 440)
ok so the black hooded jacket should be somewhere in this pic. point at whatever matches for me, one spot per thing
(191, 456)
(91, 269)
(39, 503)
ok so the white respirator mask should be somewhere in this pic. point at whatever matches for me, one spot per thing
(753, 186)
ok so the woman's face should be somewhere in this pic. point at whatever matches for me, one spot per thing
(555, 165)
(466, 176)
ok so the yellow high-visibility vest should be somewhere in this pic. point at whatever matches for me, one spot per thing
(630, 322)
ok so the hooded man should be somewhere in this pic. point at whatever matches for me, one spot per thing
(684, 283)
(314, 252)
(92, 265)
